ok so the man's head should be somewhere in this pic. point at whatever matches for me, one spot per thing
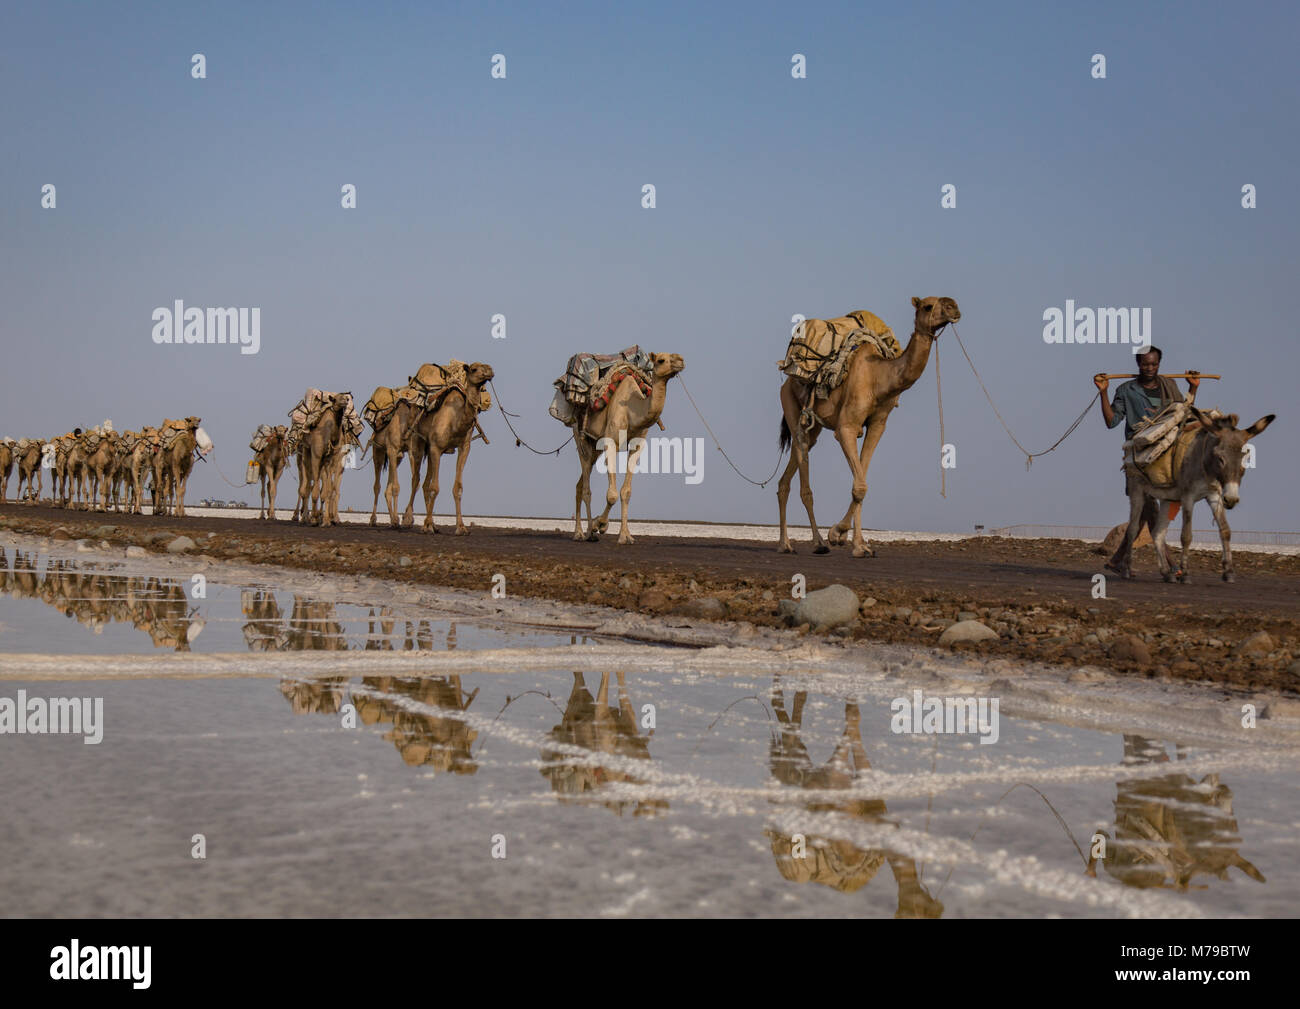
(1149, 364)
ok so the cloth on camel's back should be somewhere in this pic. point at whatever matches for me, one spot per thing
(819, 350)
(590, 379)
(311, 408)
(430, 385)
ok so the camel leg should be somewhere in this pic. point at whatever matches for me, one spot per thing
(431, 488)
(782, 496)
(379, 461)
(611, 492)
(272, 485)
(586, 458)
(625, 495)
(417, 457)
(461, 458)
(800, 448)
(848, 439)
(875, 430)
(1225, 534)
(393, 489)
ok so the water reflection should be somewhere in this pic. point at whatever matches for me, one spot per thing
(440, 739)
(157, 606)
(600, 729)
(1171, 828)
(831, 861)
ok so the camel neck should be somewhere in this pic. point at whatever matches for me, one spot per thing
(916, 356)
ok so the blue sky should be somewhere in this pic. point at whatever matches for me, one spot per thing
(775, 196)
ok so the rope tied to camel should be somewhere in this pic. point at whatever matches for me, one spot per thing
(718, 445)
(518, 440)
(1029, 456)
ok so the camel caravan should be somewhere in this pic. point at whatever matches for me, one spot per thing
(843, 374)
(102, 469)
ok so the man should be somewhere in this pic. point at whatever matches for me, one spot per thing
(1139, 400)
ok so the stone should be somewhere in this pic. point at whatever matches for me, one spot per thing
(103, 532)
(827, 608)
(85, 547)
(967, 630)
(708, 608)
(60, 534)
(768, 595)
(1294, 668)
(966, 615)
(1259, 643)
(136, 552)
(869, 602)
(180, 545)
(903, 612)
(652, 601)
(1131, 648)
(625, 582)
(402, 561)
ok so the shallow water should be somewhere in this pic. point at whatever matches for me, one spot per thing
(650, 789)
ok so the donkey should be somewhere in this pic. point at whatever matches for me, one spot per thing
(1212, 469)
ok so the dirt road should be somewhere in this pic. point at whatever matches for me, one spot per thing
(1038, 594)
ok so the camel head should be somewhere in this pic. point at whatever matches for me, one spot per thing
(668, 365)
(478, 373)
(1226, 461)
(932, 314)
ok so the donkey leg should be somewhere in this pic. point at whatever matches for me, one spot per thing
(1121, 562)
(1184, 563)
(1225, 535)
(1159, 531)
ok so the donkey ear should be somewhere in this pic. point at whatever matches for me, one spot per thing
(1204, 420)
(1259, 425)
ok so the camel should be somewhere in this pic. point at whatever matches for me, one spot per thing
(1212, 469)
(99, 468)
(862, 402)
(316, 450)
(447, 428)
(139, 464)
(271, 461)
(29, 470)
(171, 470)
(74, 473)
(624, 422)
(389, 446)
(6, 467)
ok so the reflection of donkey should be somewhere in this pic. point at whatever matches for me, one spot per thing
(595, 726)
(835, 862)
(1169, 829)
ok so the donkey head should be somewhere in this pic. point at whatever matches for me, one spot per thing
(1225, 463)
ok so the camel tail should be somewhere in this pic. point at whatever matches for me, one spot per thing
(785, 435)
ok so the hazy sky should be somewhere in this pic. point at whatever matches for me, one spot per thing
(774, 195)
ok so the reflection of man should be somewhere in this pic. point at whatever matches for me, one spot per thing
(1137, 401)
(836, 862)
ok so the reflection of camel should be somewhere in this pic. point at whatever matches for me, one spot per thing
(314, 627)
(599, 728)
(159, 607)
(1169, 829)
(262, 632)
(322, 696)
(423, 739)
(833, 862)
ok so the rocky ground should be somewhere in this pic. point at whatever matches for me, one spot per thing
(1034, 597)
